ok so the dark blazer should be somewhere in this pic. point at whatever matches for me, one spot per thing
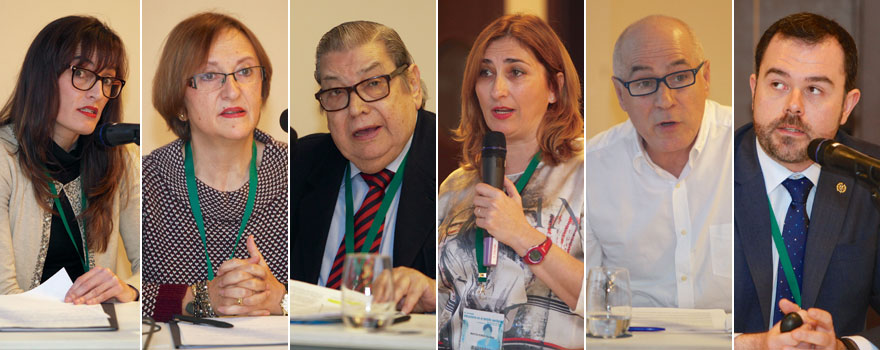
(841, 267)
(317, 171)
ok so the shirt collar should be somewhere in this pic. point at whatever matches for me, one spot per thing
(775, 173)
(641, 158)
(393, 166)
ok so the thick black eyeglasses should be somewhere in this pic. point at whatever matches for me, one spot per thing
(369, 90)
(84, 79)
(213, 81)
(674, 80)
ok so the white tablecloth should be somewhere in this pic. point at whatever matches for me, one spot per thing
(420, 332)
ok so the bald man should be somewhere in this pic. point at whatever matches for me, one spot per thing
(659, 185)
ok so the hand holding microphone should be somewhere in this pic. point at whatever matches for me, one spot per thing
(499, 213)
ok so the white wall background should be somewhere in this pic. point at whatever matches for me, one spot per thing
(413, 20)
(266, 18)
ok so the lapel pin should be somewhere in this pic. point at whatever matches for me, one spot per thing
(841, 187)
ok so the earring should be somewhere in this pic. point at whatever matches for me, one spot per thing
(181, 117)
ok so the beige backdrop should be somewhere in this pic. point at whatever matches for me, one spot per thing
(22, 20)
(309, 20)
(710, 20)
(266, 18)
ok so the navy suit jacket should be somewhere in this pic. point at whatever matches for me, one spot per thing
(317, 171)
(841, 263)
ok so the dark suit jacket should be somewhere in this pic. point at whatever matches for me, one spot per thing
(841, 264)
(318, 168)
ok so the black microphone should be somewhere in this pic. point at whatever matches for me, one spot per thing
(833, 154)
(115, 134)
(284, 122)
(493, 156)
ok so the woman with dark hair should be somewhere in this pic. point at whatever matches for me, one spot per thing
(520, 81)
(219, 191)
(66, 201)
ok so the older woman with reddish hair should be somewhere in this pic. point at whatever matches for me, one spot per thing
(519, 81)
(215, 200)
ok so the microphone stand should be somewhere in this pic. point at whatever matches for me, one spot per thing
(871, 177)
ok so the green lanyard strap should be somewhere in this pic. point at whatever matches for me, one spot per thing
(483, 274)
(193, 193)
(380, 215)
(784, 259)
(54, 191)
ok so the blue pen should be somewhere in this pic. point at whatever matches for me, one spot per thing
(646, 329)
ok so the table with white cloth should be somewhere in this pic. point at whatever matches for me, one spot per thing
(420, 332)
(663, 340)
(128, 315)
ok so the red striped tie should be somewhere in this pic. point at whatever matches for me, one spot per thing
(363, 219)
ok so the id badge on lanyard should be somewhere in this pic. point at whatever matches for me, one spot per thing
(481, 330)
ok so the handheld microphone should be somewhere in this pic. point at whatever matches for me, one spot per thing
(283, 120)
(833, 154)
(115, 134)
(493, 155)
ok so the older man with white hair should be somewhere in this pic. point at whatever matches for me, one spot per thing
(659, 185)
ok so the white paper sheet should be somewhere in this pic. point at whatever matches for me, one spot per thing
(245, 331)
(312, 302)
(44, 307)
(681, 320)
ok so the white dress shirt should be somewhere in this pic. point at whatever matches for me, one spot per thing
(774, 174)
(359, 189)
(675, 235)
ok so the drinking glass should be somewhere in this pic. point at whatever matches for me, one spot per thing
(367, 291)
(609, 302)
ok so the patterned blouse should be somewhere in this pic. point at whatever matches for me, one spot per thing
(173, 255)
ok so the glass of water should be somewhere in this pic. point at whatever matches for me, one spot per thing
(609, 302)
(367, 291)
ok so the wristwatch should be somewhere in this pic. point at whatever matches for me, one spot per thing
(285, 302)
(535, 255)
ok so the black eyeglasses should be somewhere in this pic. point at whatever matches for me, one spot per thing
(84, 79)
(213, 81)
(674, 80)
(369, 90)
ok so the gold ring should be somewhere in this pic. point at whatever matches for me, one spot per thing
(238, 301)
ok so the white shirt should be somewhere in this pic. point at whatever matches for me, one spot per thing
(674, 235)
(359, 190)
(774, 174)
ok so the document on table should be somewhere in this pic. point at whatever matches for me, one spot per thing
(312, 302)
(246, 331)
(681, 320)
(43, 309)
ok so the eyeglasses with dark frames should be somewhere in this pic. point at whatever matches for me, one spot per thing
(369, 90)
(213, 81)
(84, 79)
(675, 80)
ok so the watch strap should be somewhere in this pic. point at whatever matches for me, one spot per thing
(849, 344)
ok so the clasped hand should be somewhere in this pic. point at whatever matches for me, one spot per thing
(817, 332)
(246, 286)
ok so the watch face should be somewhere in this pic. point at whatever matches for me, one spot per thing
(535, 256)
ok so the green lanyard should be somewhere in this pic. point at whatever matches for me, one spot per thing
(85, 262)
(483, 273)
(784, 259)
(193, 193)
(380, 215)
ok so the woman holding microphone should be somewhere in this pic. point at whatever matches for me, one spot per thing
(519, 81)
